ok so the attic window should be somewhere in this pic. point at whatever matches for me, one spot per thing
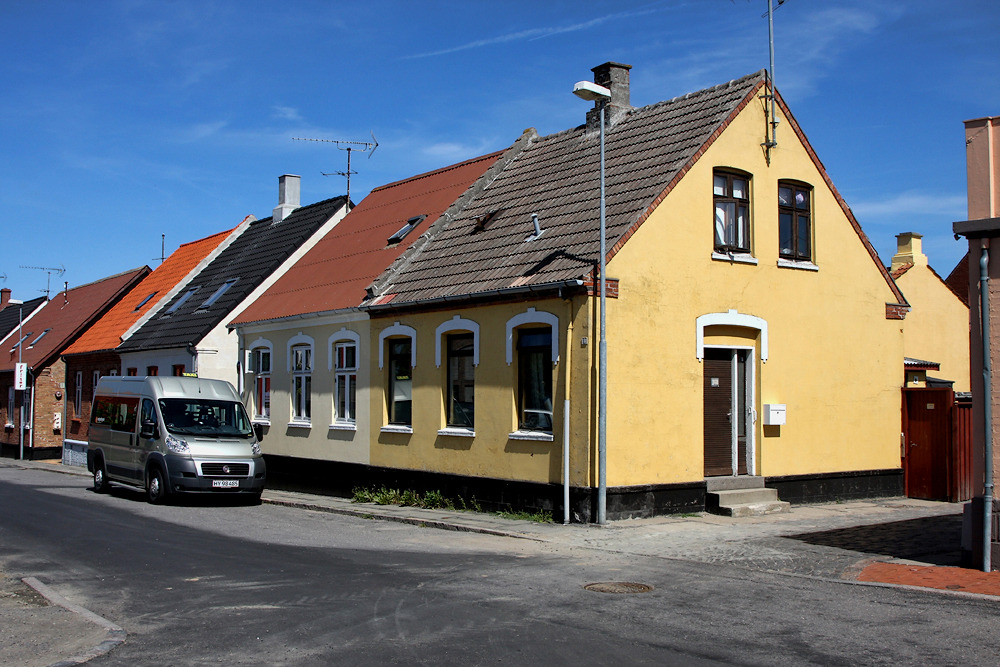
(406, 229)
(23, 338)
(40, 336)
(181, 301)
(144, 301)
(486, 218)
(218, 293)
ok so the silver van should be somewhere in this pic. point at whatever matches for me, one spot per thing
(173, 435)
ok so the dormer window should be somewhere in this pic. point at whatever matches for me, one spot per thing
(144, 301)
(207, 303)
(406, 229)
(181, 301)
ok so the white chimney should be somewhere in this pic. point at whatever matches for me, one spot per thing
(288, 196)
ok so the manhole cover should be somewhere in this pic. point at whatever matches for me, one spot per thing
(618, 587)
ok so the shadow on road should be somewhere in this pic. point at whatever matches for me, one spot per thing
(934, 539)
(214, 499)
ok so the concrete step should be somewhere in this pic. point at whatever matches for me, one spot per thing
(730, 482)
(745, 502)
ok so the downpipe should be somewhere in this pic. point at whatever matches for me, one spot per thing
(984, 305)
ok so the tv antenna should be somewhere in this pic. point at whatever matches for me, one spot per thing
(349, 146)
(771, 131)
(163, 239)
(49, 271)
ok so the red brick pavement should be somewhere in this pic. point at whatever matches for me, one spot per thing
(933, 576)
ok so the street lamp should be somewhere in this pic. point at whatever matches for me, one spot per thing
(595, 93)
(20, 339)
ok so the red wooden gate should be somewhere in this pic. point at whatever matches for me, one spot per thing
(937, 445)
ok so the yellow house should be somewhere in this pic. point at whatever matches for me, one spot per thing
(754, 337)
(937, 326)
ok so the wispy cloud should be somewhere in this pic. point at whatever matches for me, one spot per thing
(535, 33)
(910, 203)
(287, 113)
(202, 131)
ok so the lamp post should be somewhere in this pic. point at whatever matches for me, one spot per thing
(20, 339)
(595, 93)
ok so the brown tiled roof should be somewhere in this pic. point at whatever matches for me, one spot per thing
(958, 279)
(920, 364)
(648, 151)
(903, 268)
(65, 316)
(333, 275)
(105, 334)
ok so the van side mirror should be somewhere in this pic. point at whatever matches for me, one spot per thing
(149, 430)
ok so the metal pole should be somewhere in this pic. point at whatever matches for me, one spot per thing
(20, 340)
(602, 408)
(770, 35)
(566, 408)
(984, 305)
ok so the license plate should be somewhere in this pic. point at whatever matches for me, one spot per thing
(225, 483)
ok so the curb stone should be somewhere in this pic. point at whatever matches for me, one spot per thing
(116, 635)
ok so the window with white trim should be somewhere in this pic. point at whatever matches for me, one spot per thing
(10, 406)
(260, 366)
(95, 378)
(345, 382)
(78, 393)
(794, 232)
(400, 395)
(301, 359)
(461, 381)
(534, 379)
(731, 194)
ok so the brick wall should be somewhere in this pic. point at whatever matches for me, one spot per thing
(77, 422)
(50, 393)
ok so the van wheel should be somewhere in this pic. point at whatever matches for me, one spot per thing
(101, 483)
(156, 487)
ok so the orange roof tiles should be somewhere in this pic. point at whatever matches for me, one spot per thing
(64, 317)
(335, 272)
(105, 334)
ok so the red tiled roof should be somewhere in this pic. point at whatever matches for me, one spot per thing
(335, 272)
(903, 268)
(105, 334)
(65, 316)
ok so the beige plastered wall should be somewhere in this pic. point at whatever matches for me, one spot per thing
(491, 453)
(937, 326)
(318, 441)
(834, 360)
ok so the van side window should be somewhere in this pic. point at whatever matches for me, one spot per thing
(119, 413)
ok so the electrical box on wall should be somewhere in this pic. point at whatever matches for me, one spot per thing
(774, 414)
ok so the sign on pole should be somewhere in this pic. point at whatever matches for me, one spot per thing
(20, 376)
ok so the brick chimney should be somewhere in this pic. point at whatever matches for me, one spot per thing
(909, 250)
(288, 197)
(982, 154)
(4, 297)
(613, 76)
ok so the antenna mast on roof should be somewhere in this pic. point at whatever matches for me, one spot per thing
(61, 270)
(163, 240)
(770, 133)
(367, 146)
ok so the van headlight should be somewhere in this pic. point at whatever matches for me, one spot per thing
(255, 448)
(176, 445)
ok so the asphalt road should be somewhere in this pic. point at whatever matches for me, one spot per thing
(265, 585)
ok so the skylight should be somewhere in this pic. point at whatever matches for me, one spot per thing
(23, 338)
(181, 301)
(218, 293)
(406, 229)
(145, 301)
(40, 336)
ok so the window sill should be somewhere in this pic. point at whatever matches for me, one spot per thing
(260, 422)
(458, 432)
(797, 264)
(300, 425)
(530, 435)
(397, 428)
(734, 258)
(343, 426)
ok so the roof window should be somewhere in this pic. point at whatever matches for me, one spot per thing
(23, 338)
(40, 336)
(181, 301)
(406, 229)
(218, 293)
(144, 301)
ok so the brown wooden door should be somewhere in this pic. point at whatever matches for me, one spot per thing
(927, 440)
(718, 412)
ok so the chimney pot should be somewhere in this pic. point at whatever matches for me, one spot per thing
(4, 297)
(615, 77)
(909, 250)
(288, 196)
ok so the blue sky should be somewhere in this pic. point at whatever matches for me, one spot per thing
(121, 121)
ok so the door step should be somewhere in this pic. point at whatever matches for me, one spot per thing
(745, 502)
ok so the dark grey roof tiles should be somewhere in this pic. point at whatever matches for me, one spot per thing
(250, 258)
(557, 177)
(11, 316)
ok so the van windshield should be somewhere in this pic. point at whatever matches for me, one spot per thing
(186, 416)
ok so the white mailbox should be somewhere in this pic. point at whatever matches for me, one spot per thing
(774, 414)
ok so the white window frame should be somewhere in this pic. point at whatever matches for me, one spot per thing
(351, 378)
(78, 393)
(306, 345)
(10, 406)
(258, 346)
(532, 316)
(343, 338)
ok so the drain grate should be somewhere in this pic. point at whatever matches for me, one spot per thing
(618, 587)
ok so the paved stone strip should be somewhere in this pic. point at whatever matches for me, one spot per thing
(115, 636)
(933, 576)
